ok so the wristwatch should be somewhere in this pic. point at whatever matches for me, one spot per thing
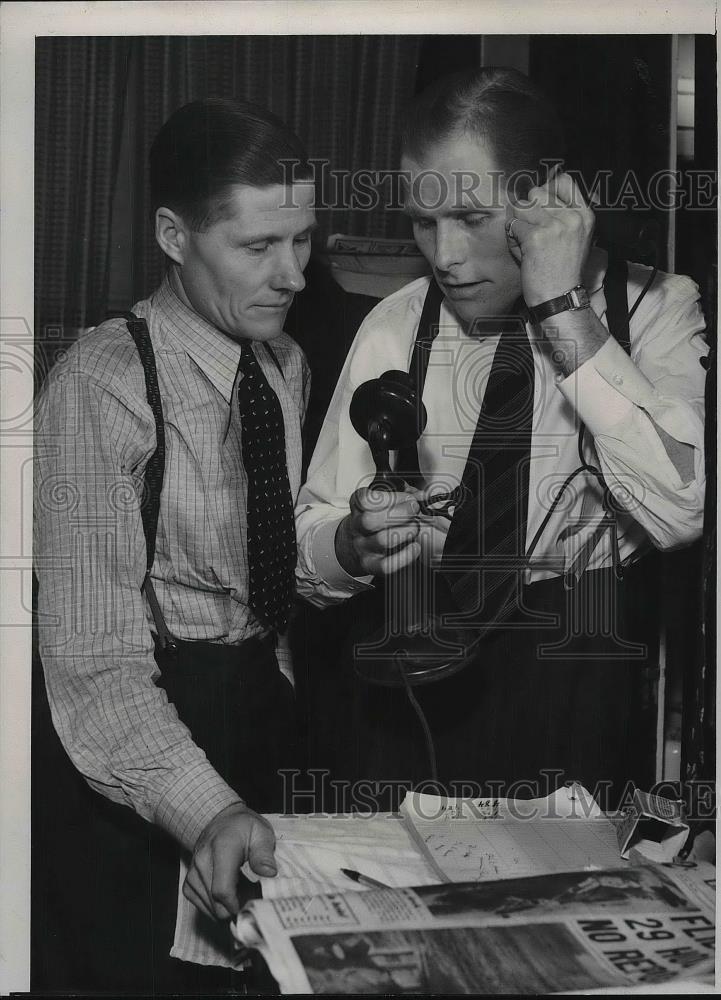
(576, 298)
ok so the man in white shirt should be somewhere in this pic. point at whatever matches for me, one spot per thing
(550, 684)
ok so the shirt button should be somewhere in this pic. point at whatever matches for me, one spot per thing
(618, 379)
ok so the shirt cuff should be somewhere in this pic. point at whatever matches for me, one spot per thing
(187, 807)
(606, 388)
(326, 561)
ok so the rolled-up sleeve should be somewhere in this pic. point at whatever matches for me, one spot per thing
(115, 723)
(622, 400)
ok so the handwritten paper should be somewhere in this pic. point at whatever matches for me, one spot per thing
(467, 840)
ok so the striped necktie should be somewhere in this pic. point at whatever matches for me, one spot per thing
(484, 551)
(271, 528)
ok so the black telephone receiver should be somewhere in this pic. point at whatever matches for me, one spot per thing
(387, 412)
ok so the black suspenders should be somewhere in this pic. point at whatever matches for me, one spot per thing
(407, 460)
(615, 289)
(154, 470)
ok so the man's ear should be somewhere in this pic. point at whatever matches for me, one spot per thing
(171, 234)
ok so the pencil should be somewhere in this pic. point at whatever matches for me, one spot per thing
(364, 879)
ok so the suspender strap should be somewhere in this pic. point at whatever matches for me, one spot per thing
(618, 318)
(427, 333)
(154, 470)
(615, 289)
(407, 463)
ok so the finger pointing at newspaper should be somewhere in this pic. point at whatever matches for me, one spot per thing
(234, 836)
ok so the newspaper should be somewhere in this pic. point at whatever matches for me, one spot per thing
(311, 852)
(568, 931)
(434, 840)
(339, 243)
(367, 265)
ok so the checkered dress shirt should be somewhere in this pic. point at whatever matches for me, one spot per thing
(94, 435)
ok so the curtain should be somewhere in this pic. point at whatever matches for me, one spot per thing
(343, 95)
(79, 107)
(100, 102)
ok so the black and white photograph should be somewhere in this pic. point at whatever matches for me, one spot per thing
(359, 437)
(448, 961)
(573, 892)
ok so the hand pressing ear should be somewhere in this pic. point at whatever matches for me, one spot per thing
(552, 233)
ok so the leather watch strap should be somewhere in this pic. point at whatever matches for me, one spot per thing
(575, 298)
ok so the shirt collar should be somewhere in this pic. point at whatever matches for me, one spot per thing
(214, 352)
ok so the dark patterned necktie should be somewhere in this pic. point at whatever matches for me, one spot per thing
(271, 528)
(488, 530)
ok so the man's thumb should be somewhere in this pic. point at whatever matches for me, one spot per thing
(260, 854)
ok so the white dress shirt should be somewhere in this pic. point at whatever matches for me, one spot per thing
(619, 399)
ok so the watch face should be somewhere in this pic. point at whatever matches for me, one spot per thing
(579, 298)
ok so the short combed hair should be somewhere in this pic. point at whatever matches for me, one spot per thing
(209, 145)
(497, 105)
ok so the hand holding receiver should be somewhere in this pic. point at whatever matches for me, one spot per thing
(380, 535)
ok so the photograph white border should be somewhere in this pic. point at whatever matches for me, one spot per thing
(20, 23)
